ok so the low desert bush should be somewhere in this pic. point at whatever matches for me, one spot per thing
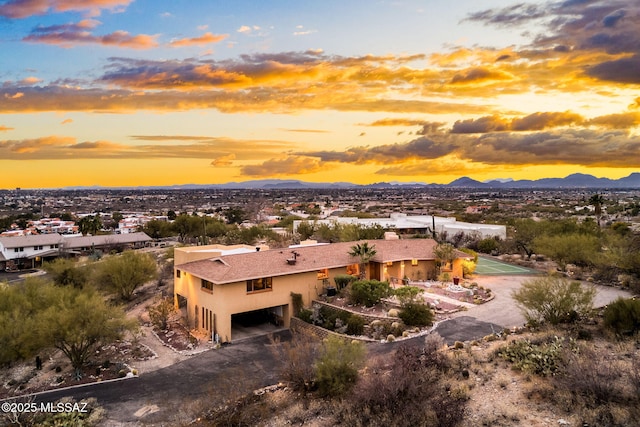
(402, 390)
(416, 314)
(368, 292)
(554, 299)
(541, 359)
(355, 325)
(337, 366)
(343, 280)
(591, 377)
(305, 315)
(623, 316)
(298, 356)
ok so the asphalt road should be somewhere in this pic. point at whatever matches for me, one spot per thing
(165, 396)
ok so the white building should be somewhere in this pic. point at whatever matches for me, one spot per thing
(28, 251)
(420, 224)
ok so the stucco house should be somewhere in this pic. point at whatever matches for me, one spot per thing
(30, 251)
(216, 284)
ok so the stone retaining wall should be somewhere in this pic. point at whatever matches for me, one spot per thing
(368, 318)
(301, 326)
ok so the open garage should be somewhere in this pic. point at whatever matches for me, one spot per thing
(257, 322)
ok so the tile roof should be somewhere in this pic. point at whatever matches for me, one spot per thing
(30, 240)
(239, 267)
(105, 239)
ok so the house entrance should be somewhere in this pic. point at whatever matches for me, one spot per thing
(182, 307)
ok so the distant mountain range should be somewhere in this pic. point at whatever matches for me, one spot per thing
(577, 180)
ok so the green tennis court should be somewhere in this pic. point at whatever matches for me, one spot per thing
(490, 267)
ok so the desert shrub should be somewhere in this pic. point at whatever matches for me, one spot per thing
(541, 359)
(305, 315)
(554, 300)
(435, 352)
(416, 314)
(161, 313)
(336, 369)
(355, 325)
(591, 377)
(327, 318)
(468, 268)
(380, 330)
(368, 292)
(488, 245)
(407, 294)
(296, 301)
(403, 390)
(298, 356)
(623, 316)
(343, 280)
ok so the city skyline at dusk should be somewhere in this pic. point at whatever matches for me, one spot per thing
(137, 92)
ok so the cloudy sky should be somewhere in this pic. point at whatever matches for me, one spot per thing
(155, 92)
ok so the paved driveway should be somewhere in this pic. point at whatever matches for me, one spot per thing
(166, 396)
(503, 311)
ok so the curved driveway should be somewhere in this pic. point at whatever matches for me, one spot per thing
(502, 312)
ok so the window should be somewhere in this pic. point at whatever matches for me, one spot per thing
(414, 262)
(207, 285)
(178, 274)
(18, 249)
(257, 285)
(53, 247)
(37, 248)
(353, 269)
(323, 274)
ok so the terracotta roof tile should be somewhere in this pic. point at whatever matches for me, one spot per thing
(235, 268)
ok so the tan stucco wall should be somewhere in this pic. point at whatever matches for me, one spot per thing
(182, 255)
(232, 298)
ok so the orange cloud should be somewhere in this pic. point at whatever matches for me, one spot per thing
(64, 98)
(18, 9)
(396, 122)
(206, 38)
(535, 121)
(292, 165)
(66, 121)
(34, 145)
(75, 34)
(30, 81)
(305, 130)
(480, 74)
(224, 150)
(223, 161)
(570, 147)
(5, 128)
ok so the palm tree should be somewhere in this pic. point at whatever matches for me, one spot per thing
(90, 224)
(445, 254)
(365, 253)
(597, 200)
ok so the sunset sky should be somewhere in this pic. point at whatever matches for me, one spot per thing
(155, 92)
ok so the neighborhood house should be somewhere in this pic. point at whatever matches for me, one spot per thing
(216, 285)
(30, 251)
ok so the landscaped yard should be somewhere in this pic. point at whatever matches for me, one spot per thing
(382, 320)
